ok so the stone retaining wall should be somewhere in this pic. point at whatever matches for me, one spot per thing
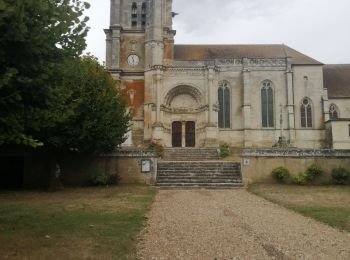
(257, 164)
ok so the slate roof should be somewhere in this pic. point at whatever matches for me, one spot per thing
(336, 78)
(210, 52)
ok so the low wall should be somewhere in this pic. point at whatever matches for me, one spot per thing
(76, 170)
(134, 166)
(257, 165)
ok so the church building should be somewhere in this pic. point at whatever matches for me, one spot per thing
(248, 96)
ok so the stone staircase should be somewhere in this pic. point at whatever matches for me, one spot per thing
(190, 154)
(197, 168)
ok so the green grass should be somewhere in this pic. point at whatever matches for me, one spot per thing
(327, 204)
(89, 223)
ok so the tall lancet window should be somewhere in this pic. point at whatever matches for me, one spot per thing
(134, 15)
(224, 105)
(306, 113)
(267, 112)
(333, 112)
(143, 14)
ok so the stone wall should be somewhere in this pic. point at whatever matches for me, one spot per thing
(257, 165)
(128, 165)
(76, 170)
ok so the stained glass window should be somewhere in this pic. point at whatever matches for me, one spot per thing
(306, 113)
(267, 105)
(333, 112)
(224, 105)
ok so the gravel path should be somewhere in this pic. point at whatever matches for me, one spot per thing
(234, 224)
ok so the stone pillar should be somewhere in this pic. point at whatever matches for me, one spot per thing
(210, 96)
(246, 104)
(290, 101)
(183, 139)
(325, 104)
(115, 12)
(211, 130)
(159, 77)
(115, 61)
(158, 126)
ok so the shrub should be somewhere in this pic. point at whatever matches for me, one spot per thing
(340, 175)
(312, 172)
(300, 179)
(157, 148)
(224, 150)
(99, 178)
(309, 175)
(280, 174)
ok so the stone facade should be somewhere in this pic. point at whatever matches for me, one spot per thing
(173, 90)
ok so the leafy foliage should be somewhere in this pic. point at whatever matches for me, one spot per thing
(157, 148)
(49, 96)
(100, 178)
(97, 119)
(311, 173)
(36, 38)
(280, 174)
(340, 175)
(224, 150)
(300, 179)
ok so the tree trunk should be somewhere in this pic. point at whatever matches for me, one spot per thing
(55, 183)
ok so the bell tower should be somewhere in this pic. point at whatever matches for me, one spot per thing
(138, 42)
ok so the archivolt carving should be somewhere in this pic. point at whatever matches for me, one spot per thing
(183, 90)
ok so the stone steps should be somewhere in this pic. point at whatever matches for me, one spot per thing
(198, 174)
(191, 186)
(192, 168)
(190, 154)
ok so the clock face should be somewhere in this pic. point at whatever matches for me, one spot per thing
(133, 60)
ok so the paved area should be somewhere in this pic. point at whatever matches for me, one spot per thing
(234, 224)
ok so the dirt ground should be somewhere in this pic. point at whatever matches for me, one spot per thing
(234, 224)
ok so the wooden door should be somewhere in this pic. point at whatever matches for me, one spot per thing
(190, 134)
(177, 134)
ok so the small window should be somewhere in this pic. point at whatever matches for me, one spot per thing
(333, 112)
(143, 15)
(306, 113)
(134, 15)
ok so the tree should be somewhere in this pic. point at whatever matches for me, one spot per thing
(36, 38)
(98, 120)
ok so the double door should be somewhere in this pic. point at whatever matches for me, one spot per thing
(184, 134)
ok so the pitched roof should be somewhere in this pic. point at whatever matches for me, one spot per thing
(336, 78)
(210, 52)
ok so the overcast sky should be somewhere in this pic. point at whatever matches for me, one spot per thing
(318, 28)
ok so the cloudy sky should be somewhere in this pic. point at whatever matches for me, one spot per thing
(318, 28)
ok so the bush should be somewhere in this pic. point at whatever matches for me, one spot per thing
(300, 179)
(309, 175)
(157, 148)
(99, 178)
(312, 172)
(340, 175)
(280, 174)
(224, 150)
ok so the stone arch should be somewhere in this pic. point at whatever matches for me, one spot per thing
(183, 90)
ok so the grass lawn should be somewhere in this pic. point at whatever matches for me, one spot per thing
(328, 204)
(84, 223)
